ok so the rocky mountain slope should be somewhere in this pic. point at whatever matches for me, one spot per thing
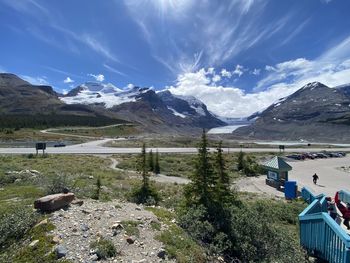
(25, 105)
(96, 104)
(155, 111)
(314, 112)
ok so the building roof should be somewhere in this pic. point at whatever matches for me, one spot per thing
(277, 163)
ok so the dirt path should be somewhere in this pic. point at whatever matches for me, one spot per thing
(161, 178)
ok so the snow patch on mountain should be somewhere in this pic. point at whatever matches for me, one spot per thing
(106, 94)
(177, 113)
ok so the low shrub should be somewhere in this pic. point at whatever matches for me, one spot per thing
(61, 183)
(15, 223)
(144, 195)
(104, 248)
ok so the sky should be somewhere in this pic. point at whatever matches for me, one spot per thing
(237, 56)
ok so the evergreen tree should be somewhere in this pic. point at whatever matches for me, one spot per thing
(222, 186)
(150, 161)
(240, 161)
(156, 165)
(146, 193)
(96, 195)
(143, 167)
(199, 191)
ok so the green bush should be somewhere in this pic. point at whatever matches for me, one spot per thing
(61, 183)
(144, 195)
(15, 223)
(104, 248)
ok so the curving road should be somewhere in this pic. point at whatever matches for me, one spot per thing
(96, 147)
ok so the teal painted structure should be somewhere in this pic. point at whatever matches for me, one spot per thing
(320, 235)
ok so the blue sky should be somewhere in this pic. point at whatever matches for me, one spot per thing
(243, 53)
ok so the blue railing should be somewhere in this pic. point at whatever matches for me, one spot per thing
(320, 235)
(308, 196)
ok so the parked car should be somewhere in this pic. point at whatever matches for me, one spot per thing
(60, 144)
(321, 155)
(296, 156)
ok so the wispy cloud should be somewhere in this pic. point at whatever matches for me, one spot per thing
(70, 39)
(40, 80)
(61, 71)
(2, 69)
(114, 70)
(96, 45)
(215, 34)
(98, 77)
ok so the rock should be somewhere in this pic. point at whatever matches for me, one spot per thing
(84, 227)
(34, 171)
(61, 251)
(18, 180)
(139, 261)
(91, 177)
(94, 257)
(220, 259)
(56, 240)
(43, 222)
(130, 240)
(53, 202)
(138, 208)
(34, 243)
(77, 202)
(118, 227)
(161, 254)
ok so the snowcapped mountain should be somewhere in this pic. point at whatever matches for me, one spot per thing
(313, 112)
(144, 105)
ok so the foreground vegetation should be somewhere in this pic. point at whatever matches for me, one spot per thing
(205, 220)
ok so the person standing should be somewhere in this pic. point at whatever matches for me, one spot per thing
(315, 178)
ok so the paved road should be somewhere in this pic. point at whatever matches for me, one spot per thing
(95, 147)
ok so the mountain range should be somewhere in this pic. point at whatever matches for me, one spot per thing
(24, 104)
(314, 112)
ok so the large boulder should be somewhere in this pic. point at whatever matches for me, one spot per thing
(53, 202)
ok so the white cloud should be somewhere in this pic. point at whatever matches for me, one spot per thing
(98, 77)
(42, 80)
(216, 78)
(226, 73)
(64, 91)
(225, 101)
(231, 101)
(2, 70)
(256, 72)
(239, 70)
(331, 68)
(68, 80)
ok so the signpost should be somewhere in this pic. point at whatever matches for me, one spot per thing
(281, 148)
(40, 146)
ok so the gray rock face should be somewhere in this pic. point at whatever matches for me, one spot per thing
(53, 202)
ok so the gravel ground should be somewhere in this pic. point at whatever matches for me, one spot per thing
(79, 226)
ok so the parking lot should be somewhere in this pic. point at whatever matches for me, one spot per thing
(332, 177)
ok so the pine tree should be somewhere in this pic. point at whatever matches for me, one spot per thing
(240, 161)
(143, 167)
(150, 161)
(223, 193)
(199, 191)
(145, 193)
(156, 165)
